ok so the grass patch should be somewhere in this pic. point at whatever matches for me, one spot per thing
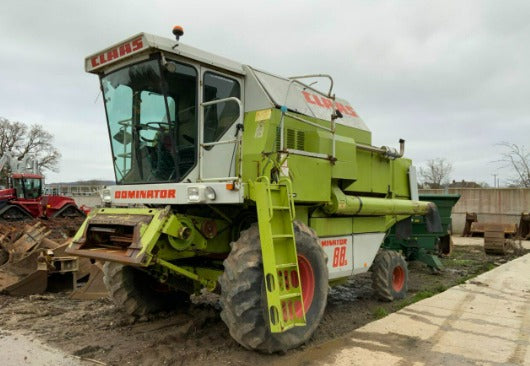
(440, 288)
(379, 312)
(418, 296)
(489, 266)
(461, 262)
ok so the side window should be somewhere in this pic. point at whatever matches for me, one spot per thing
(219, 117)
(18, 184)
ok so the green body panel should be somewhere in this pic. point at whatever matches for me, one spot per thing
(310, 177)
(359, 171)
(422, 245)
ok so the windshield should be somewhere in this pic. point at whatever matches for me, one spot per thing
(152, 122)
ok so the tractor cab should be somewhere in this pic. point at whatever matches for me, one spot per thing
(26, 186)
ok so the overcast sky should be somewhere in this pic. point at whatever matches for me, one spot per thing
(450, 77)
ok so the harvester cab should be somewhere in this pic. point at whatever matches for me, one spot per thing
(240, 181)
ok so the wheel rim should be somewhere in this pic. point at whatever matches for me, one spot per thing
(398, 278)
(307, 278)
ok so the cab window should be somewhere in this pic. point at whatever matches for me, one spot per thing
(219, 117)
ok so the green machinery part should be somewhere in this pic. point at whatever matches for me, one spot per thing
(422, 245)
(342, 204)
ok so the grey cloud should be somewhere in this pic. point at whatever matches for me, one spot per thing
(449, 76)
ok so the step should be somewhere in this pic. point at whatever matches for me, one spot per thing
(285, 265)
(282, 236)
(290, 296)
(281, 207)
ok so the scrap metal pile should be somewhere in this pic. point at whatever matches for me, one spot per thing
(499, 238)
(33, 260)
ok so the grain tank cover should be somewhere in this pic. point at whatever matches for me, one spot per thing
(299, 98)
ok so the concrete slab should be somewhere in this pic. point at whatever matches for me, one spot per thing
(460, 240)
(485, 321)
(17, 349)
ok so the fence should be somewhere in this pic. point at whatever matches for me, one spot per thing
(502, 205)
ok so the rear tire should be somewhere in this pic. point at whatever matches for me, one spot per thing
(138, 293)
(69, 211)
(390, 275)
(15, 213)
(244, 299)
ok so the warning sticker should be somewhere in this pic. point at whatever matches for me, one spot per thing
(263, 115)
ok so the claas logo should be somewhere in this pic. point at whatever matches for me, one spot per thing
(117, 52)
(328, 104)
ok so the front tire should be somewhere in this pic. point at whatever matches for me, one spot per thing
(244, 299)
(138, 293)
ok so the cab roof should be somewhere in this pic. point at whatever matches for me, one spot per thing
(262, 89)
(144, 42)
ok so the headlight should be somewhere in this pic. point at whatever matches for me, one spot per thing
(210, 193)
(194, 194)
(200, 194)
(105, 196)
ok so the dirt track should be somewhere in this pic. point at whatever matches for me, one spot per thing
(97, 330)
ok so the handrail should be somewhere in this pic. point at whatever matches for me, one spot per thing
(316, 76)
(203, 145)
(332, 119)
(308, 122)
(317, 155)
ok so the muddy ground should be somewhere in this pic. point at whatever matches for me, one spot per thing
(97, 330)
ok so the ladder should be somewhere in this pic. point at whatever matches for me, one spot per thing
(275, 208)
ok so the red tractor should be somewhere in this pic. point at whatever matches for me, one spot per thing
(24, 198)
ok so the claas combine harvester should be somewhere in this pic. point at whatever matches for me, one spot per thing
(239, 181)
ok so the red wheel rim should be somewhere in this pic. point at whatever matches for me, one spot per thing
(398, 278)
(308, 284)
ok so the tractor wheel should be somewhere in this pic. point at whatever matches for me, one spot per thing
(137, 292)
(69, 211)
(15, 213)
(390, 275)
(244, 298)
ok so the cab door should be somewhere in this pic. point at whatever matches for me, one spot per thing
(220, 125)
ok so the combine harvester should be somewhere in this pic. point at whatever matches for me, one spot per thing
(239, 181)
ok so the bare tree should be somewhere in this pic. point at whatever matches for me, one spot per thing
(518, 159)
(436, 172)
(21, 141)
